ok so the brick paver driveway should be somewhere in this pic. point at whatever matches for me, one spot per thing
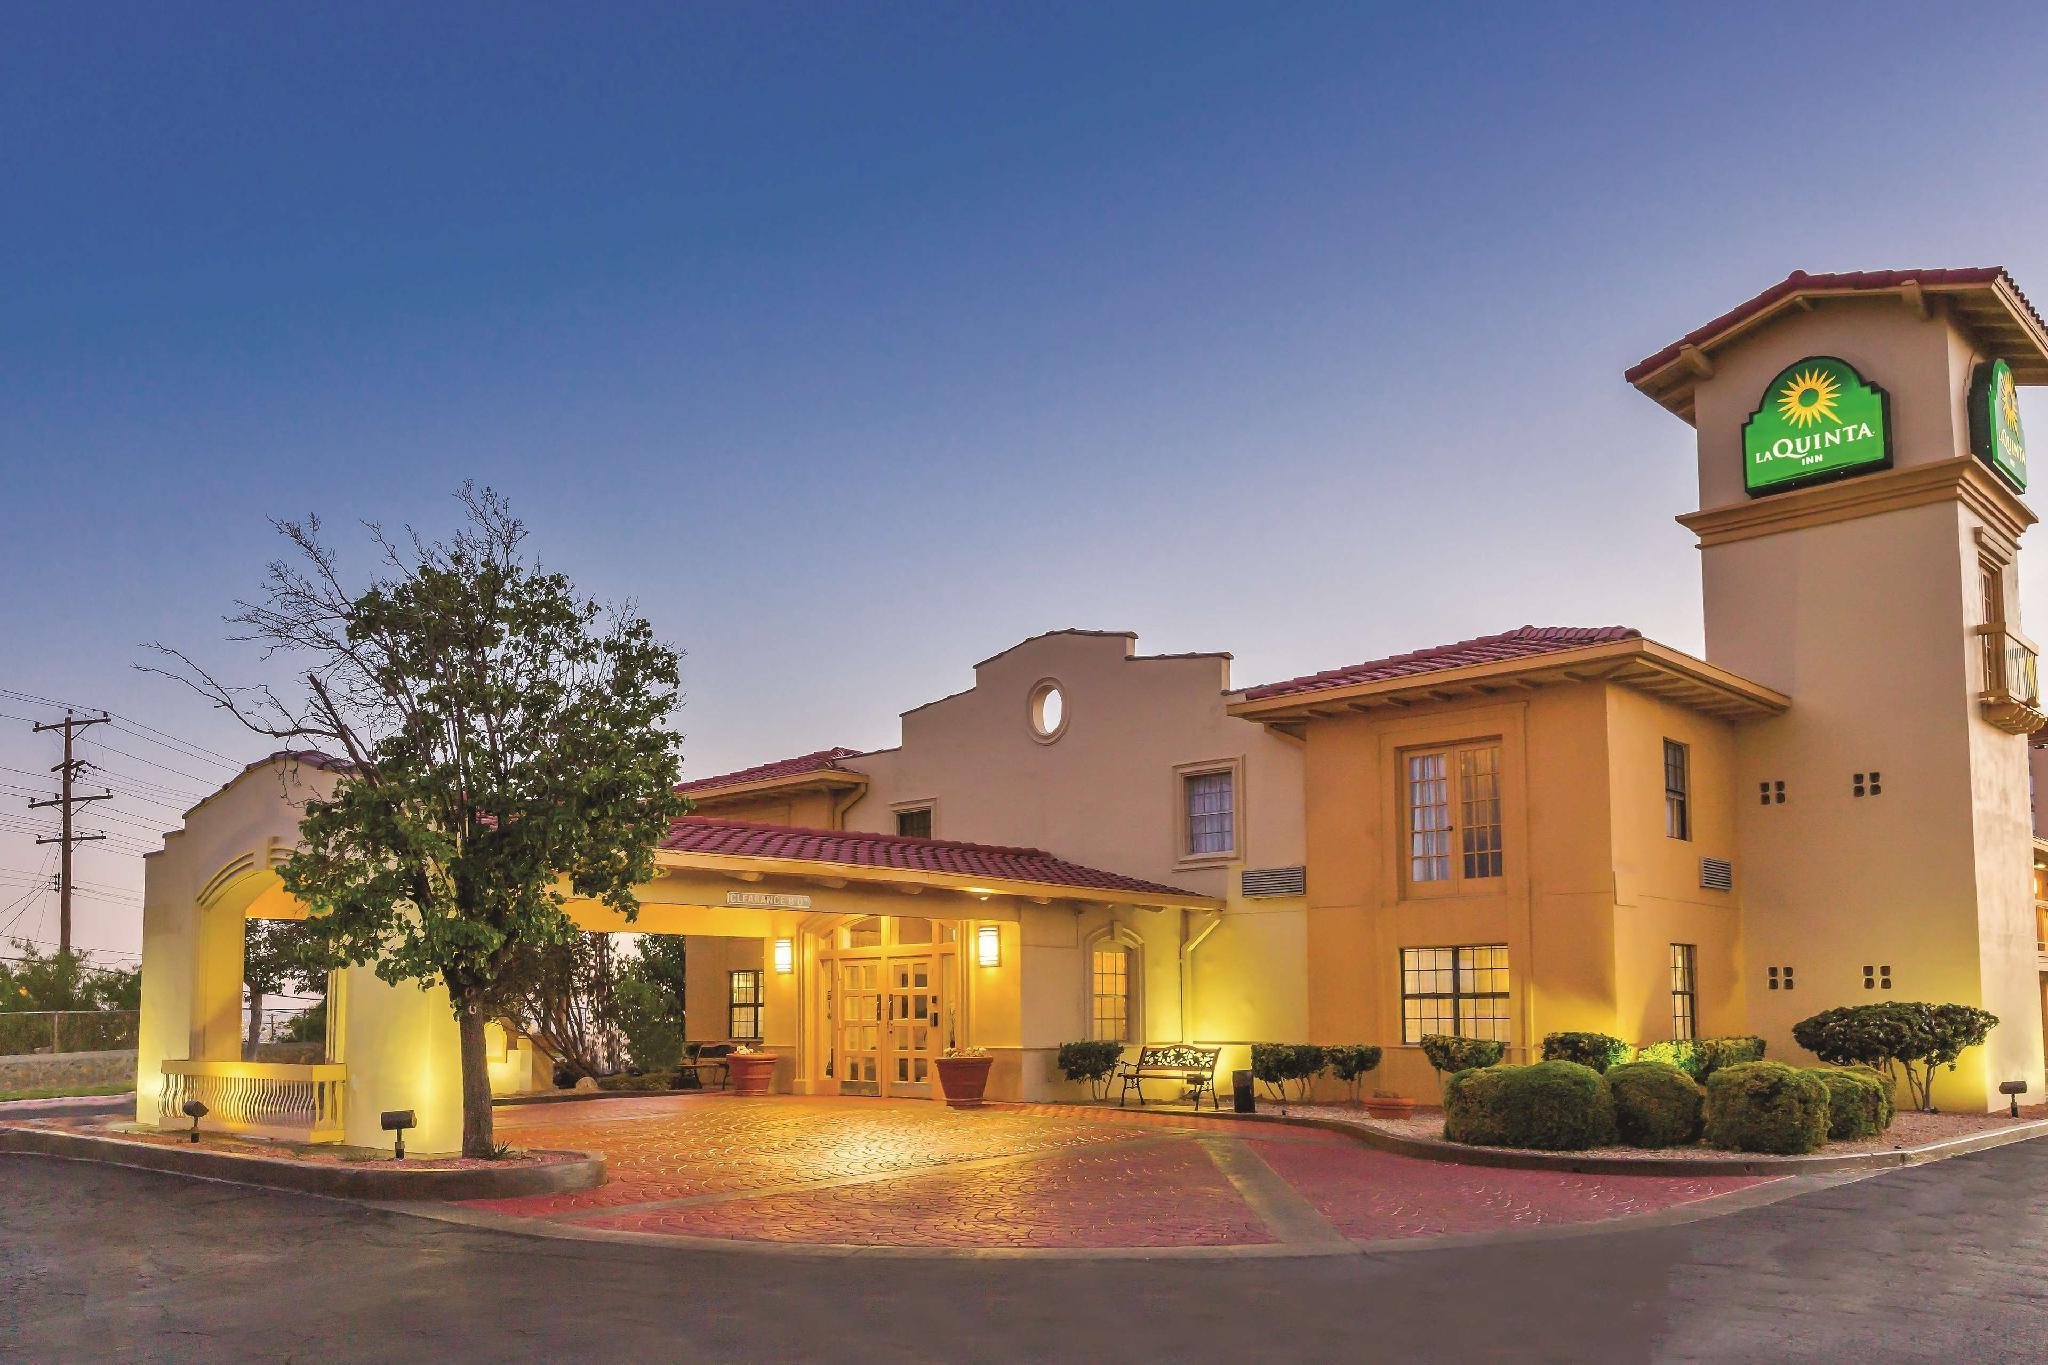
(848, 1172)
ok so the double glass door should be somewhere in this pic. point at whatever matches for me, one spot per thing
(890, 1023)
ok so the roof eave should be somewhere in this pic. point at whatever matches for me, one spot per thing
(819, 779)
(815, 869)
(1635, 662)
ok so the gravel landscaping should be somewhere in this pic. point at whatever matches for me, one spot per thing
(1909, 1130)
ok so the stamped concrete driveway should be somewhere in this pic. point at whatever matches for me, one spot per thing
(1049, 1179)
(1947, 1262)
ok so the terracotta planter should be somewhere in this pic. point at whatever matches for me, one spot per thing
(752, 1072)
(1389, 1106)
(964, 1080)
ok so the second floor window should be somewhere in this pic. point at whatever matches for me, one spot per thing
(1454, 815)
(1677, 790)
(743, 1013)
(915, 824)
(1211, 813)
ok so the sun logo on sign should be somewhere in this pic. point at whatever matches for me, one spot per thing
(1809, 397)
(2009, 400)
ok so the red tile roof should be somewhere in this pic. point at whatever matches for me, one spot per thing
(1801, 282)
(1522, 643)
(992, 862)
(821, 761)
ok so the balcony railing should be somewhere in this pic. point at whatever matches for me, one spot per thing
(264, 1099)
(2012, 681)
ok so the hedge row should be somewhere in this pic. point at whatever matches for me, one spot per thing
(1754, 1106)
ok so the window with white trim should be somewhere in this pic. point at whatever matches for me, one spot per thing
(1453, 798)
(1210, 801)
(1109, 992)
(1461, 991)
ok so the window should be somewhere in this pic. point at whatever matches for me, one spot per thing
(743, 1010)
(1677, 790)
(1461, 991)
(1454, 815)
(1685, 991)
(915, 824)
(1109, 992)
(1211, 803)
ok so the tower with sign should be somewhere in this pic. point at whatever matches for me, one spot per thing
(1861, 463)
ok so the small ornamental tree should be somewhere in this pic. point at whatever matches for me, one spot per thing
(505, 751)
(1277, 1065)
(1349, 1063)
(1092, 1061)
(1450, 1054)
(1897, 1037)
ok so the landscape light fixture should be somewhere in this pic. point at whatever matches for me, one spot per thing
(195, 1111)
(2012, 1090)
(988, 945)
(397, 1121)
(785, 956)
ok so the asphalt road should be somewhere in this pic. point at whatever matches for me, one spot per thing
(1945, 1262)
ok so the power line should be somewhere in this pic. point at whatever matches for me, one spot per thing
(65, 840)
(129, 725)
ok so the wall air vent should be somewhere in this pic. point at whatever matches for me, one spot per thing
(1274, 881)
(1717, 874)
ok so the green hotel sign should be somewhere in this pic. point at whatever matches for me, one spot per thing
(1818, 420)
(1995, 422)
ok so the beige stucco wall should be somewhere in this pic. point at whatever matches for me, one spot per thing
(1106, 793)
(1867, 623)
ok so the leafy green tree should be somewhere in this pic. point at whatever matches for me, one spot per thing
(505, 748)
(61, 980)
(662, 964)
(278, 955)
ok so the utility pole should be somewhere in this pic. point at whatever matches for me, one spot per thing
(68, 770)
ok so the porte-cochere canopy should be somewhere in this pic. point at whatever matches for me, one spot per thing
(796, 889)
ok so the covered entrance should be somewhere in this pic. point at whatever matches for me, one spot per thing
(890, 1003)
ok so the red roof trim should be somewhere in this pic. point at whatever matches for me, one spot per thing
(820, 761)
(1799, 282)
(991, 862)
(1521, 643)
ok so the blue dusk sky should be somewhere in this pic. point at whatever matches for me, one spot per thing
(856, 342)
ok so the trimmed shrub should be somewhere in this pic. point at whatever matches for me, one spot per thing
(1093, 1061)
(1766, 1107)
(1349, 1062)
(630, 1081)
(1655, 1104)
(1278, 1064)
(1700, 1058)
(1909, 1035)
(1859, 1102)
(1596, 1050)
(1449, 1054)
(1550, 1107)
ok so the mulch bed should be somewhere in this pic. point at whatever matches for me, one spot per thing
(312, 1154)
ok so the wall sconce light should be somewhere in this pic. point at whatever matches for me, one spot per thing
(785, 956)
(988, 945)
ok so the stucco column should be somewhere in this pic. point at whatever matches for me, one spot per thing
(402, 1051)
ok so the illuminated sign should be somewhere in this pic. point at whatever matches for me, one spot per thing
(1995, 422)
(1818, 420)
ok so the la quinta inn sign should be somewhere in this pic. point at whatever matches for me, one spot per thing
(1995, 433)
(1817, 420)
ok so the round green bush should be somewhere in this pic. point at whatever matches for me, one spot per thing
(1766, 1107)
(1655, 1104)
(1597, 1050)
(1550, 1107)
(1449, 1053)
(1859, 1103)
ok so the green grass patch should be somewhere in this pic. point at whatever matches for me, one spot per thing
(65, 1092)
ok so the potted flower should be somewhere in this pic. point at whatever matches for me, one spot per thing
(752, 1071)
(1384, 1104)
(963, 1076)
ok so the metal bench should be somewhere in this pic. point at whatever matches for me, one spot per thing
(699, 1058)
(1193, 1067)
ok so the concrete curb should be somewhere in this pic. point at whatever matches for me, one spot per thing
(1499, 1158)
(342, 1182)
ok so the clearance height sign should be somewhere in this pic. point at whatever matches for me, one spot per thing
(1818, 420)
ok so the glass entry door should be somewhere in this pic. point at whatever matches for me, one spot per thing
(915, 1025)
(857, 1050)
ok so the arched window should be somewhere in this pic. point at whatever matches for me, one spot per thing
(1115, 979)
